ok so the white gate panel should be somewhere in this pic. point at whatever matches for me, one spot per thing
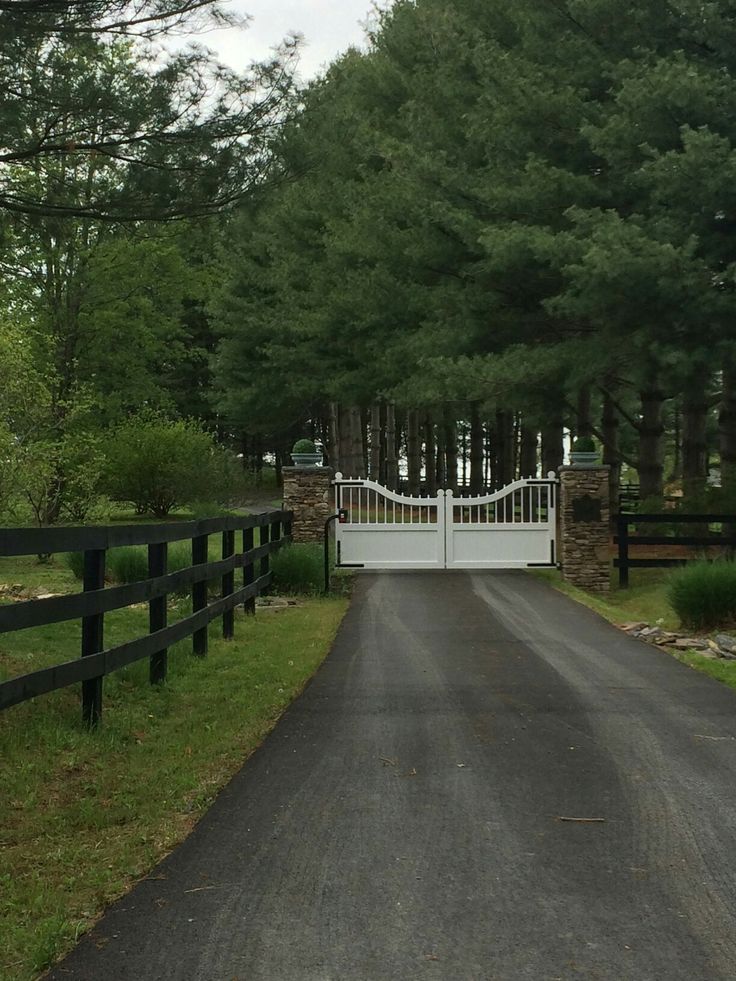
(385, 530)
(474, 548)
(511, 529)
(392, 548)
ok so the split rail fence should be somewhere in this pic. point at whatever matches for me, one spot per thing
(274, 530)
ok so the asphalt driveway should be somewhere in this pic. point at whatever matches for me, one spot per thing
(405, 819)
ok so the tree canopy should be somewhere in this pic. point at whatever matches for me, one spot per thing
(161, 132)
(480, 216)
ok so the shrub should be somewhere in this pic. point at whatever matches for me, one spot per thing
(157, 465)
(304, 446)
(584, 444)
(128, 564)
(122, 565)
(703, 594)
(298, 569)
(60, 478)
(75, 562)
(206, 509)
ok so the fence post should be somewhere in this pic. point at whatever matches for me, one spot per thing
(157, 617)
(265, 537)
(228, 585)
(276, 530)
(199, 594)
(248, 572)
(93, 636)
(623, 551)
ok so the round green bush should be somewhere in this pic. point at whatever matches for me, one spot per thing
(304, 446)
(158, 465)
(584, 444)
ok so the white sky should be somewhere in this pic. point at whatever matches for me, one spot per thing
(329, 27)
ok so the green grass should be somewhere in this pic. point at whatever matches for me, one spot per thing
(53, 576)
(83, 815)
(646, 599)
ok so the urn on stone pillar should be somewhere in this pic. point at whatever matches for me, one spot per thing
(305, 454)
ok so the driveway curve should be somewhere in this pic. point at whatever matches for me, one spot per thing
(417, 812)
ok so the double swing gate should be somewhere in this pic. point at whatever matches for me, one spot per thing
(513, 528)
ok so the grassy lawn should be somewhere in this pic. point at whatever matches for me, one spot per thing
(644, 600)
(83, 815)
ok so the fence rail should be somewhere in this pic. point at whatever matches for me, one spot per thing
(96, 599)
(624, 539)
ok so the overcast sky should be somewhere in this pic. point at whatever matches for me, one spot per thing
(328, 27)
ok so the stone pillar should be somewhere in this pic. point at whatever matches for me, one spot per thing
(307, 492)
(585, 527)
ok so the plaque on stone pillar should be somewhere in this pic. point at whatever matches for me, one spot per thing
(586, 509)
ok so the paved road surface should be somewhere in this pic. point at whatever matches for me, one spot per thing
(402, 821)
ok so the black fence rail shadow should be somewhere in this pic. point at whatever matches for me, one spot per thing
(724, 538)
(274, 530)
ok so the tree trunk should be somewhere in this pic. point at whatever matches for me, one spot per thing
(345, 443)
(611, 456)
(491, 457)
(400, 425)
(651, 444)
(356, 432)
(392, 469)
(375, 460)
(258, 461)
(676, 471)
(278, 462)
(504, 448)
(333, 436)
(694, 443)
(440, 472)
(553, 449)
(727, 433)
(430, 457)
(450, 427)
(476, 450)
(413, 453)
(528, 466)
(584, 413)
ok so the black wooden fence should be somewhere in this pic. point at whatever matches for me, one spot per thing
(91, 605)
(724, 539)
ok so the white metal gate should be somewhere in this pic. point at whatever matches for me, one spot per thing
(511, 529)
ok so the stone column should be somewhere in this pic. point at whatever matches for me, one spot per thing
(585, 527)
(307, 492)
